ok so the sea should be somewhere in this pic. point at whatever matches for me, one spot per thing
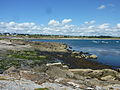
(108, 51)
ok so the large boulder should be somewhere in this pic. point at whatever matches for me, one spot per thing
(81, 71)
(104, 73)
(118, 76)
(107, 72)
(34, 76)
(95, 74)
(93, 56)
(13, 72)
(75, 53)
(41, 68)
(108, 78)
(9, 70)
(118, 70)
(57, 72)
(59, 64)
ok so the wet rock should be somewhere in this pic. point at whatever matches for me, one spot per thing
(65, 67)
(92, 56)
(118, 70)
(1, 71)
(78, 57)
(75, 53)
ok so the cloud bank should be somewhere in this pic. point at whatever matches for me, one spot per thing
(64, 27)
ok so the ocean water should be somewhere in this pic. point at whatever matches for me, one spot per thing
(108, 51)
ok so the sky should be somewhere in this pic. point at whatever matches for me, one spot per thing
(61, 17)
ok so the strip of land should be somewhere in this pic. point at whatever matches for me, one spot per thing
(38, 36)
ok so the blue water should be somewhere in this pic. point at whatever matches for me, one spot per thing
(108, 51)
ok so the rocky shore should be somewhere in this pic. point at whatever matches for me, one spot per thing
(26, 65)
(56, 76)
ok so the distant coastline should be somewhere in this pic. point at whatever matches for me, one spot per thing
(47, 38)
(39, 36)
(78, 38)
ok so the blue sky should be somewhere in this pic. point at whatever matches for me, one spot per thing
(104, 15)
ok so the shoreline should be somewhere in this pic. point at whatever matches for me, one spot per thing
(10, 37)
(72, 38)
(55, 51)
(94, 61)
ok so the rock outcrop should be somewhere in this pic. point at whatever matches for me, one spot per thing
(71, 79)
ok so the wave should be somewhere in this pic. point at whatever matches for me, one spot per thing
(117, 41)
(102, 51)
(100, 42)
(104, 42)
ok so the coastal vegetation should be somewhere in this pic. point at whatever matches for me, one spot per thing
(21, 57)
(41, 36)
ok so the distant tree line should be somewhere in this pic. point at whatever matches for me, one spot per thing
(52, 36)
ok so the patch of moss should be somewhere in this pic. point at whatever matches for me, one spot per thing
(2, 78)
(18, 58)
(22, 57)
(28, 57)
(5, 64)
(41, 89)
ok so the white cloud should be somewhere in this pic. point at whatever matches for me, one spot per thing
(90, 22)
(104, 26)
(57, 28)
(66, 21)
(118, 25)
(101, 7)
(91, 27)
(53, 22)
